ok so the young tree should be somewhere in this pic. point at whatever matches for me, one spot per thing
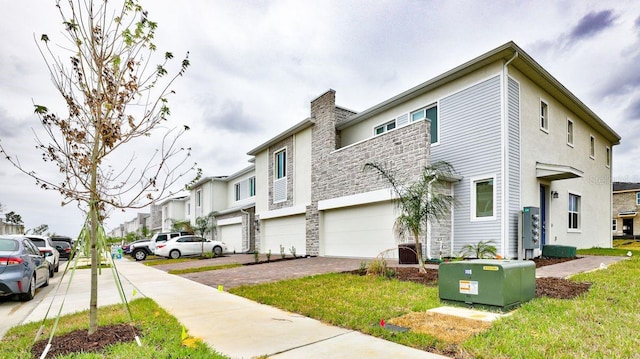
(39, 230)
(420, 202)
(113, 95)
(204, 225)
(13, 217)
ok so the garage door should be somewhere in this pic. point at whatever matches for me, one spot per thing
(360, 231)
(286, 231)
(231, 235)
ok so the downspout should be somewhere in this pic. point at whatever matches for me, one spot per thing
(505, 160)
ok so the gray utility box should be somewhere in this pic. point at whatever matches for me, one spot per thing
(498, 283)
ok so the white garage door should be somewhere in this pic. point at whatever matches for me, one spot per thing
(360, 231)
(286, 231)
(231, 235)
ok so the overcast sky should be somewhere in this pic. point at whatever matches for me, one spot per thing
(256, 65)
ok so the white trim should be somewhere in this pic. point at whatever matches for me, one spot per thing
(229, 221)
(579, 229)
(283, 212)
(592, 138)
(607, 156)
(472, 199)
(547, 117)
(615, 220)
(380, 195)
(573, 132)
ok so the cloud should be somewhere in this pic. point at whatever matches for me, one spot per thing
(230, 116)
(592, 24)
(633, 111)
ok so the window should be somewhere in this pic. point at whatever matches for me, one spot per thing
(384, 128)
(574, 211)
(483, 194)
(614, 225)
(432, 114)
(281, 164)
(608, 157)
(252, 186)
(592, 147)
(638, 198)
(544, 116)
(236, 188)
(569, 132)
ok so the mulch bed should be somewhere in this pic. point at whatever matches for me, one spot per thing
(80, 341)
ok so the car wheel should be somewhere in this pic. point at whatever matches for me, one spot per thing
(217, 251)
(31, 292)
(140, 255)
(57, 267)
(174, 254)
(46, 281)
(51, 269)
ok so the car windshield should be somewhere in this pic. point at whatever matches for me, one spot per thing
(61, 244)
(8, 245)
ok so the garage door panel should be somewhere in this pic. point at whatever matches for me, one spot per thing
(287, 232)
(231, 235)
(360, 231)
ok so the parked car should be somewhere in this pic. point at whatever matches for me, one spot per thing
(66, 239)
(48, 250)
(165, 236)
(64, 248)
(22, 267)
(139, 249)
(189, 245)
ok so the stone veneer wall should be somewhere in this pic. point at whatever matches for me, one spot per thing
(337, 173)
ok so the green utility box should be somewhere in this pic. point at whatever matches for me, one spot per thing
(498, 283)
(553, 251)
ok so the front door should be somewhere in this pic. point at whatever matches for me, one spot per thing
(543, 215)
(627, 227)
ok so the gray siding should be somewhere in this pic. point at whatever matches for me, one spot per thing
(513, 108)
(470, 139)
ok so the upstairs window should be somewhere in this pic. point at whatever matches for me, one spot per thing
(252, 186)
(544, 116)
(281, 164)
(236, 188)
(569, 132)
(574, 211)
(384, 128)
(592, 147)
(608, 157)
(638, 198)
(432, 114)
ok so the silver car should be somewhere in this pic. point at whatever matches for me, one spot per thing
(22, 267)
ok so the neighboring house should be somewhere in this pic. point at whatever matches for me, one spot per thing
(173, 209)
(626, 205)
(154, 223)
(135, 225)
(11, 228)
(514, 134)
(232, 201)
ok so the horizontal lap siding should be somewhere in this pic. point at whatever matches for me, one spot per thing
(470, 139)
(514, 166)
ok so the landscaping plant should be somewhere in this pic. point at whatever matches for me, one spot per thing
(481, 250)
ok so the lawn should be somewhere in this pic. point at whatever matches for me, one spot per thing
(161, 335)
(600, 324)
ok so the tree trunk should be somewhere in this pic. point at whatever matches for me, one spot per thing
(423, 269)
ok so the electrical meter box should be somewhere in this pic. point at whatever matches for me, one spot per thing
(497, 283)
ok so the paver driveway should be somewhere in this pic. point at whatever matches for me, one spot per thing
(262, 273)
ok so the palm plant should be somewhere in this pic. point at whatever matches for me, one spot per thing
(483, 249)
(420, 202)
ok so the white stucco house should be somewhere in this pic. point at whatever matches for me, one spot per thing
(514, 134)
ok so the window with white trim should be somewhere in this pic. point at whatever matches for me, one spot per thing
(384, 128)
(592, 147)
(432, 114)
(236, 189)
(483, 198)
(544, 116)
(281, 164)
(608, 157)
(569, 132)
(198, 203)
(245, 189)
(280, 174)
(252, 186)
(638, 198)
(614, 225)
(574, 211)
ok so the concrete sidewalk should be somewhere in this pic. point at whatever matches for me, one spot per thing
(232, 325)
(580, 265)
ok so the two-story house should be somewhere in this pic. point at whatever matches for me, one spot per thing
(626, 205)
(514, 134)
(231, 199)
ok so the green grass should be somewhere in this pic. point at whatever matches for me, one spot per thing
(153, 261)
(599, 324)
(619, 251)
(161, 335)
(204, 269)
